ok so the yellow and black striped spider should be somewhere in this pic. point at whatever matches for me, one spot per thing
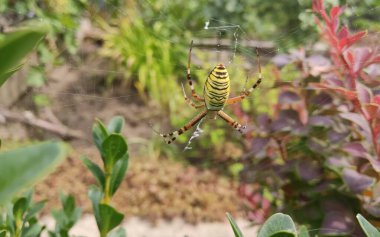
(216, 91)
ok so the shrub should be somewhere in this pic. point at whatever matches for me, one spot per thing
(319, 150)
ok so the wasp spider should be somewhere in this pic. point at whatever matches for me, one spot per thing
(216, 92)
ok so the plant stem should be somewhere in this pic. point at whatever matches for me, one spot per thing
(18, 228)
(106, 197)
(282, 149)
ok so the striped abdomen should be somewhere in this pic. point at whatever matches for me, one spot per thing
(217, 88)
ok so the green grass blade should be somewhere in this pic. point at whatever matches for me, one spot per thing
(234, 226)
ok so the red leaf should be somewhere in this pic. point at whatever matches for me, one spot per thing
(362, 55)
(371, 110)
(377, 128)
(364, 93)
(376, 99)
(376, 59)
(317, 5)
(348, 41)
(350, 57)
(350, 95)
(343, 33)
(335, 12)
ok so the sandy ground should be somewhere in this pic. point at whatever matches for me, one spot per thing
(136, 227)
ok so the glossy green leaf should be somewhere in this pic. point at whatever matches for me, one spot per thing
(95, 170)
(109, 217)
(367, 227)
(23, 167)
(278, 225)
(118, 173)
(19, 208)
(234, 226)
(116, 124)
(99, 134)
(114, 148)
(120, 232)
(15, 46)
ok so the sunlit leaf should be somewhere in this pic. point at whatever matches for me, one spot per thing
(15, 46)
(234, 226)
(278, 225)
(367, 227)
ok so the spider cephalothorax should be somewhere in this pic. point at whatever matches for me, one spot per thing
(216, 91)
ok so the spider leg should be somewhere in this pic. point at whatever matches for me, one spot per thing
(231, 122)
(170, 137)
(193, 93)
(246, 93)
(189, 101)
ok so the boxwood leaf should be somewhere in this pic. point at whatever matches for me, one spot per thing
(95, 170)
(116, 124)
(109, 217)
(118, 173)
(114, 148)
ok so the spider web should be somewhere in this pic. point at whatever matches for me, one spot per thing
(238, 55)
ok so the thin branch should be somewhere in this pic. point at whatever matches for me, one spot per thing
(30, 119)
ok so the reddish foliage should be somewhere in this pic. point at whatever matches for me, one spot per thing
(350, 64)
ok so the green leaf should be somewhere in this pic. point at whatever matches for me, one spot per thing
(118, 173)
(96, 196)
(109, 217)
(34, 209)
(114, 148)
(99, 134)
(367, 227)
(19, 208)
(234, 226)
(15, 46)
(118, 233)
(32, 231)
(23, 167)
(116, 124)
(95, 170)
(68, 203)
(67, 216)
(278, 225)
(303, 232)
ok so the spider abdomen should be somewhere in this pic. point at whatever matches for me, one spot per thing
(217, 88)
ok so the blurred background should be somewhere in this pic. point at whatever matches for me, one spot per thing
(125, 57)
